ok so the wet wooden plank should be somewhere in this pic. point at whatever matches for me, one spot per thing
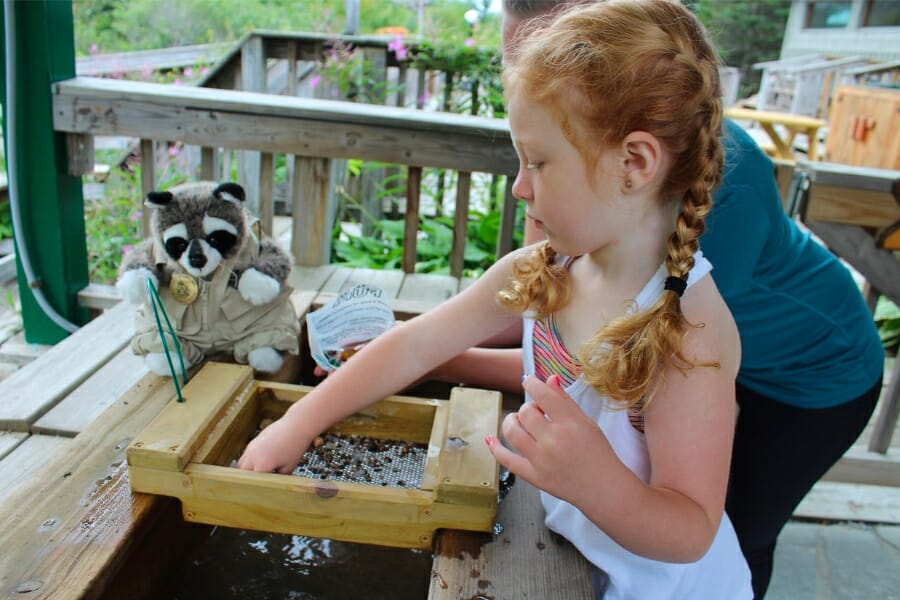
(526, 560)
(65, 533)
(27, 461)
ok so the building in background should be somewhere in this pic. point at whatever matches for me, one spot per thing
(863, 28)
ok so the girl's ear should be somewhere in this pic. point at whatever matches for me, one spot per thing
(642, 160)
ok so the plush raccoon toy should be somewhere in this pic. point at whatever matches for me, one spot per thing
(223, 287)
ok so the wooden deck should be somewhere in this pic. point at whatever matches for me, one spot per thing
(71, 527)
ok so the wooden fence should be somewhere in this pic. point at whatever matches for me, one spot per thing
(311, 131)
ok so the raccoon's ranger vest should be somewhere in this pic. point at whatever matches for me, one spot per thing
(220, 319)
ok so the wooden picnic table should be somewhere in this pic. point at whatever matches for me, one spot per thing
(792, 124)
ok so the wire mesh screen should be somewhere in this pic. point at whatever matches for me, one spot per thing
(360, 459)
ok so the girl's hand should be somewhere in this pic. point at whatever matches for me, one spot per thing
(277, 449)
(557, 447)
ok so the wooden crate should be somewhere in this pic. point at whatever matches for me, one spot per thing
(186, 450)
(863, 128)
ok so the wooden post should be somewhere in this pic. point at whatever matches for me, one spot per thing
(311, 238)
(411, 229)
(148, 181)
(253, 79)
(373, 92)
(80, 153)
(265, 186)
(886, 421)
(460, 224)
(209, 164)
(507, 220)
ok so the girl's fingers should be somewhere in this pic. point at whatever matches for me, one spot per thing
(533, 419)
(516, 434)
(517, 464)
(549, 396)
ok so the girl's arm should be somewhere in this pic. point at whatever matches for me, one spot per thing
(688, 426)
(387, 364)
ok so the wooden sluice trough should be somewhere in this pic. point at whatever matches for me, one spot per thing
(187, 451)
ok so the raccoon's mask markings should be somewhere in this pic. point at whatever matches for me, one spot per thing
(201, 252)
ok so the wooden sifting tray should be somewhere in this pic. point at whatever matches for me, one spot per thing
(186, 452)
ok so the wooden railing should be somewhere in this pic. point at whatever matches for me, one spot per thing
(311, 131)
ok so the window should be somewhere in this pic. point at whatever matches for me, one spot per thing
(828, 13)
(882, 13)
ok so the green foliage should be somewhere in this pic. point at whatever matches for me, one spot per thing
(887, 318)
(6, 230)
(124, 25)
(745, 32)
(112, 225)
(383, 247)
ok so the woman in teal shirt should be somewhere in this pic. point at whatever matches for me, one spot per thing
(811, 358)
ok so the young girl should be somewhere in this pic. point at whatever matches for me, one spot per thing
(630, 352)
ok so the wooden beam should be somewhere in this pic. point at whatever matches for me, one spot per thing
(857, 247)
(305, 126)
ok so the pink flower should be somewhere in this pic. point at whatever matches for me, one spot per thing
(177, 81)
(126, 249)
(173, 150)
(314, 81)
(146, 71)
(204, 71)
(94, 49)
(398, 48)
(470, 43)
(189, 72)
(136, 217)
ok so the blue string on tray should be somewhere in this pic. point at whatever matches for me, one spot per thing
(158, 307)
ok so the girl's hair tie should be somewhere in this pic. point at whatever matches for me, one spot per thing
(675, 284)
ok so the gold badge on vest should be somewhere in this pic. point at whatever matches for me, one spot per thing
(184, 288)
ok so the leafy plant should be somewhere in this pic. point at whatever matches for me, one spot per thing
(887, 318)
(6, 230)
(113, 226)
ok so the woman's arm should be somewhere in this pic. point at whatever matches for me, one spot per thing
(492, 368)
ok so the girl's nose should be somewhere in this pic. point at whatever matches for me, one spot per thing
(521, 187)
